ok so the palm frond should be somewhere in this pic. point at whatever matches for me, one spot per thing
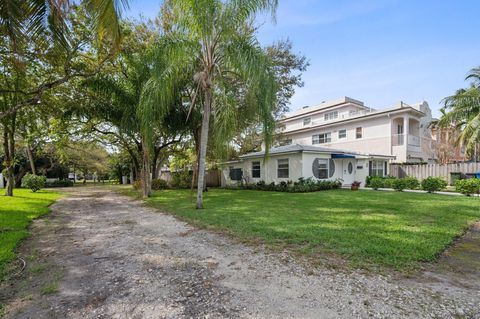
(12, 20)
(106, 15)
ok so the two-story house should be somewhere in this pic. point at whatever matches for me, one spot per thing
(341, 139)
(402, 131)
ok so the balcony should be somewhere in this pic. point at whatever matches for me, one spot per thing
(399, 139)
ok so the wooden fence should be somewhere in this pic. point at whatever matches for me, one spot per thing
(438, 170)
(212, 177)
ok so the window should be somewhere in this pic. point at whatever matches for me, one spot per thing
(331, 115)
(287, 141)
(307, 121)
(255, 169)
(358, 132)
(350, 168)
(342, 134)
(322, 138)
(320, 168)
(377, 168)
(235, 174)
(282, 168)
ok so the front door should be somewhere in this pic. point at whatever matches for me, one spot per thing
(348, 171)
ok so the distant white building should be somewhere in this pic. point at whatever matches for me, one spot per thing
(402, 131)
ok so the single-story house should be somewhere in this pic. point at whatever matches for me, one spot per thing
(290, 162)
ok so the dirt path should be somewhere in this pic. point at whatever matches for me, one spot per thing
(102, 255)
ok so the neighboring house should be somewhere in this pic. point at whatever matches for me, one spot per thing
(402, 131)
(290, 162)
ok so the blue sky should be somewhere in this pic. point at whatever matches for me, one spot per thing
(377, 51)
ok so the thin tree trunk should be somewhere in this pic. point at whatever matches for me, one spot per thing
(30, 159)
(203, 147)
(146, 178)
(9, 149)
(156, 153)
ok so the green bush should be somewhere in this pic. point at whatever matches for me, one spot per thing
(376, 182)
(468, 186)
(301, 186)
(388, 182)
(399, 184)
(384, 181)
(34, 182)
(60, 183)
(137, 185)
(181, 179)
(411, 182)
(158, 184)
(433, 184)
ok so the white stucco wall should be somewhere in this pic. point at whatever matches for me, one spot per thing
(268, 169)
(300, 165)
(375, 136)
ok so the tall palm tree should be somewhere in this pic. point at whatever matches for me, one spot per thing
(21, 19)
(216, 40)
(462, 110)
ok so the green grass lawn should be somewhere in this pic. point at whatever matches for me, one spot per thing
(16, 213)
(367, 227)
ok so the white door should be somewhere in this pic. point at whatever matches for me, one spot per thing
(348, 171)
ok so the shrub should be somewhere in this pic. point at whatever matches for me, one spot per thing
(468, 186)
(381, 181)
(399, 184)
(60, 183)
(433, 184)
(301, 186)
(137, 185)
(181, 179)
(388, 181)
(411, 182)
(158, 184)
(376, 182)
(34, 182)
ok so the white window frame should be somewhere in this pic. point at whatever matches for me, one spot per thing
(307, 121)
(342, 134)
(256, 167)
(323, 166)
(322, 138)
(283, 168)
(330, 115)
(378, 166)
(358, 130)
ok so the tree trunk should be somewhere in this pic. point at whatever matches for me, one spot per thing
(30, 159)
(156, 153)
(146, 178)
(203, 146)
(9, 149)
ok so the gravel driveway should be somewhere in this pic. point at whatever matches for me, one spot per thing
(107, 256)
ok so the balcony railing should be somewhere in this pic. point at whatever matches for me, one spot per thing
(413, 140)
(399, 139)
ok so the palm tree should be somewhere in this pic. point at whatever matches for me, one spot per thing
(32, 18)
(462, 110)
(214, 38)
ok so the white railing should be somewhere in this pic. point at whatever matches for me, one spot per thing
(399, 139)
(413, 140)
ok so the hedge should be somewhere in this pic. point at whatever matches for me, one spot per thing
(303, 185)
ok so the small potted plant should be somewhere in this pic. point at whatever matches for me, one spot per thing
(355, 186)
